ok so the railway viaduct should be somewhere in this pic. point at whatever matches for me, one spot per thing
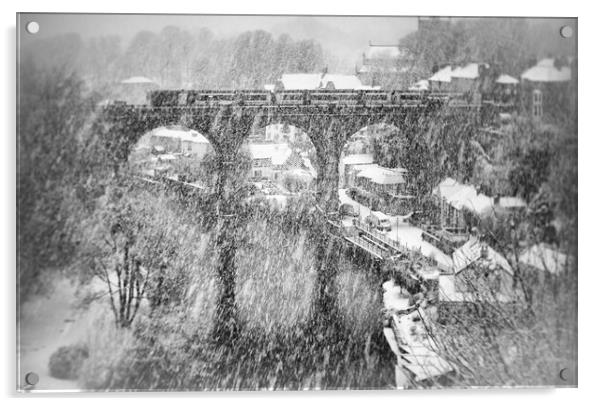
(328, 124)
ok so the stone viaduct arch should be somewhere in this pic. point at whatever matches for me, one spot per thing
(226, 127)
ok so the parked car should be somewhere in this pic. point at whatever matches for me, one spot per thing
(347, 209)
(379, 220)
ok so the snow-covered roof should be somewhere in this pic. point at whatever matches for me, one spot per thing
(184, 135)
(382, 52)
(544, 258)
(504, 79)
(380, 215)
(300, 81)
(472, 251)
(277, 153)
(462, 196)
(470, 71)
(137, 79)
(545, 71)
(442, 75)
(511, 202)
(341, 81)
(314, 81)
(420, 85)
(383, 176)
(357, 159)
(269, 88)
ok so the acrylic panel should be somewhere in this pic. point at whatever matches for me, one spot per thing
(237, 202)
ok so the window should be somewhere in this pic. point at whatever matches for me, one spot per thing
(537, 103)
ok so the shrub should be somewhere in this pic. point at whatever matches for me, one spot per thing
(66, 362)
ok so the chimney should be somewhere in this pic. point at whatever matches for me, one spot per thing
(324, 72)
(484, 251)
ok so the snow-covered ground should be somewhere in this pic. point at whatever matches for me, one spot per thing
(403, 232)
(45, 324)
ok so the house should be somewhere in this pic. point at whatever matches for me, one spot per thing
(181, 141)
(545, 88)
(267, 158)
(479, 273)
(385, 66)
(441, 80)
(279, 133)
(454, 199)
(386, 188)
(542, 258)
(382, 181)
(351, 164)
(478, 80)
(468, 78)
(506, 89)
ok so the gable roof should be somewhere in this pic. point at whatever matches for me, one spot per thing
(314, 81)
(277, 153)
(341, 81)
(357, 159)
(383, 176)
(300, 81)
(182, 134)
(544, 258)
(471, 252)
(470, 71)
(442, 75)
(504, 79)
(545, 71)
(461, 196)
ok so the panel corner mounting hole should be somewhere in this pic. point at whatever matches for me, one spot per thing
(32, 27)
(566, 31)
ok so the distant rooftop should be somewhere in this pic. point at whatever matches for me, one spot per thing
(469, 71)
(181, 133)
(383, 176)
(507, 80)
(277, 153)
(356, 159)
(472, 251)
(315, 81)
(442, 75)
(545, 71)
(544, 258)
(461, 196)
(137, 79)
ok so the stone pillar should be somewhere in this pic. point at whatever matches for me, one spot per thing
(327, 242)
(229, 129)
(225, 322)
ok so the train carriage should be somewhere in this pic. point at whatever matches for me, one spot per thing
(171, 98)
